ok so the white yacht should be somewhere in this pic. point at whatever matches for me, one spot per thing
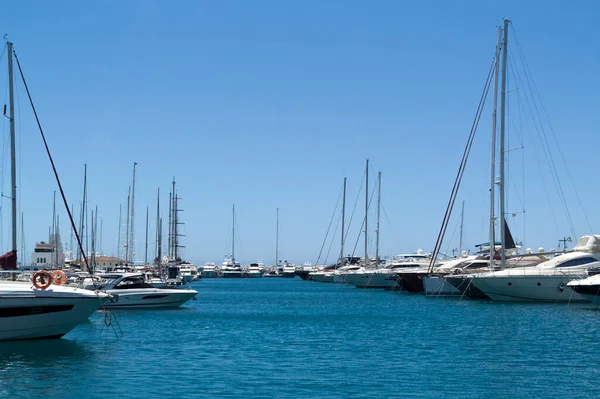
(289, 270)
(130, 290)
(253, 271)
(209, 270)
(589, 288)
(387, 275)
(27, 312)
(545, 282)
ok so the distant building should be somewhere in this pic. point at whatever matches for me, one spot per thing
(98, 262)
(46, 256)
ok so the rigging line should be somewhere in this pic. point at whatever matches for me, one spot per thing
(62, 193)
(536, 155)
(532, 87)
(337, 225)
(353, 210)
(538, 125)
(329, 227)
(554, 136)
(389, 222)
(462, 166)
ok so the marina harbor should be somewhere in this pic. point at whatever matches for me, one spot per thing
(299, 200)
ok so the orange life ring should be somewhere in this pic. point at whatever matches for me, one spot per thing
(41, 280)
(59, 277)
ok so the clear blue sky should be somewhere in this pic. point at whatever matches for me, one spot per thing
(272, 103)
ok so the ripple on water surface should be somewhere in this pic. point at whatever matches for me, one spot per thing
(293, 338)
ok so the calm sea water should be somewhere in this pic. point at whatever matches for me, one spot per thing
(292, 338)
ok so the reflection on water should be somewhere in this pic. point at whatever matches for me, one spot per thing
(40, 353)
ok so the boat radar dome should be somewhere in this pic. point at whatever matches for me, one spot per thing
(541, 249)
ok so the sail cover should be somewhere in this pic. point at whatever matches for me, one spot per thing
(8, 261)
(509, 243)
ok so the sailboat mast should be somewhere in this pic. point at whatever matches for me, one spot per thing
(127, 227)
(119, 234)
(131, 246)
(157, 223)
(378, 213)
(170, 234)
(233, 236)
(343, 223)
(146, 254)
(277, 241)
(174, 221)
(82, 215)
(502, 142)
(13, 162)
(462, 219)
(493, 158)
(53, 237)
(366, 208)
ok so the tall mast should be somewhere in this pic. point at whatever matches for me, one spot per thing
(119, 235)
(23, 261)
(71, 242)
(366, 208)
(82, 216)
(493, 160)
(159, 246)
(170, 234)
(343, 223)
(156, 253)
(13, 162)
(174, 221)
(233, 236)
(54, 259)
(146, 255)
(127, 227)
(462, 219)
(378, 212)
(277, 242)
(131, 246)
(502, 140)
(175, 225)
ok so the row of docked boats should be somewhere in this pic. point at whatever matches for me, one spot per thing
(47, 304)
(568, 276)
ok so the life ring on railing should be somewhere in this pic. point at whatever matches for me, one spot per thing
(41, 280)
(59, 277)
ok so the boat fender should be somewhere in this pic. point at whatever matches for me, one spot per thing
(41, 280)
(59, 277)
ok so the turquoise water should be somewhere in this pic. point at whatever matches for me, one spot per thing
(293, 338)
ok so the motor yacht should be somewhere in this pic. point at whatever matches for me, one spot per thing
(30, 313)
(588, 287)
(130, 290)
(546, 281)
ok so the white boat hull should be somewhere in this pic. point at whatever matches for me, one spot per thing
(371, 280)
(438, 286)
(209, 274)
(327, 278)
(149, 298)
(539, 288)
(51, 313)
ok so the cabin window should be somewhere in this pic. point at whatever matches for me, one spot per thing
(578, 262)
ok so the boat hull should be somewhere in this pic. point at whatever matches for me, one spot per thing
(41, 317)
(439, 286)
(149, 298)
(371, 280)
(209, 274)
(412, 282)
(465, 286)
(536, 288)
(327, 278)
